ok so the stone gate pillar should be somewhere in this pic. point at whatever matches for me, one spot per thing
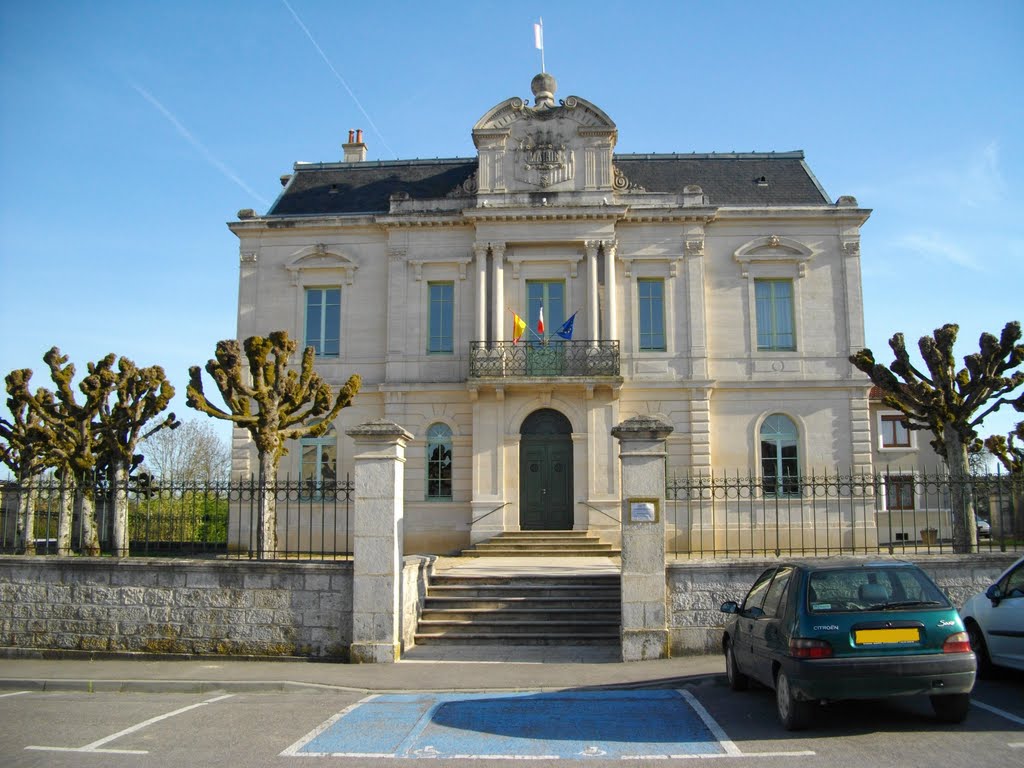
(642, 455)
(377, 541)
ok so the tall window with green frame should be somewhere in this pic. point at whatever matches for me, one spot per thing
(780, 460)
(549, 295)
(323, 321)
(439, 462)
(440, 318)
(318, 463)
(774, 300)
(651, 314)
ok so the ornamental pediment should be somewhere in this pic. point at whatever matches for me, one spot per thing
(773, 249)
(321, 257)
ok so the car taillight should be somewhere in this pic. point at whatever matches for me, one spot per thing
(958, 643)
(805, 648)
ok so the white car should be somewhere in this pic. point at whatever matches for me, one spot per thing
(995, 621)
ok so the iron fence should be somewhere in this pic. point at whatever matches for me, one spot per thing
(894, 512)
(182, 519)
(555, 357)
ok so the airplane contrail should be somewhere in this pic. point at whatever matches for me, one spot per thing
(339, 77)
(187, 135)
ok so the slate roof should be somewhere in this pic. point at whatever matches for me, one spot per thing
(727, 179)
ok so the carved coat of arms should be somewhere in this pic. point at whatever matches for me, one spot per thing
(543, 160)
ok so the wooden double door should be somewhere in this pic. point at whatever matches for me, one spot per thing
(545, 472)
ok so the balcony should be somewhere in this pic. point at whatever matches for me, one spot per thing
(554, 358)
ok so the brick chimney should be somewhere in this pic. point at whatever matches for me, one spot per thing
(355, 149)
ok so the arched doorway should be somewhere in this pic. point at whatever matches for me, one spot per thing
(545, 472)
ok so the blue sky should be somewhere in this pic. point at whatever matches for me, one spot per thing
(130, 132)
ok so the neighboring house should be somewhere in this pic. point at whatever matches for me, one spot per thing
(914, 493)
(721, 291)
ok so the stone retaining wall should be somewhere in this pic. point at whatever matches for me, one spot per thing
(696, 590)
(232, 608)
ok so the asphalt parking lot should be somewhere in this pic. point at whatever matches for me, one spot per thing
(676, 719)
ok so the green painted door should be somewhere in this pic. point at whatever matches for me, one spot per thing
(545, 483)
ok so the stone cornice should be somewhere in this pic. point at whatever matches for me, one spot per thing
(856, 215)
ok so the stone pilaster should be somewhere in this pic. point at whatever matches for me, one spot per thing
(377, 541)
(642, 455)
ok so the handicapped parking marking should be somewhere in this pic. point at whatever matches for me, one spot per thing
(560, 725)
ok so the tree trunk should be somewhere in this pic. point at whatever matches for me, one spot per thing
(24, 536)
(965, 526)
(86, 495)
(266, 532)
(119, 491)
(64, 520)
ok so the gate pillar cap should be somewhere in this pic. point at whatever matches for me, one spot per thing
(643, 427)
(380, 428)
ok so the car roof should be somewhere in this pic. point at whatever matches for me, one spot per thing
(846, 564)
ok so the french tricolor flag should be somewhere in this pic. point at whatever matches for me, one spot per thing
(540, 322)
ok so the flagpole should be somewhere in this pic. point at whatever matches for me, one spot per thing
(538, 40)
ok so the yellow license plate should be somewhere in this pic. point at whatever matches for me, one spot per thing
(880, 636)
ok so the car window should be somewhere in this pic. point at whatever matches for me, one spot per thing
(861, 589)
(776, 592)
(1014, 586)
(756, 594)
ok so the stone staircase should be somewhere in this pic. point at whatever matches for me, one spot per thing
(528, 609)
(542, 544)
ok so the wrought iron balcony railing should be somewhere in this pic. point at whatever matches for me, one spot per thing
(578, 358)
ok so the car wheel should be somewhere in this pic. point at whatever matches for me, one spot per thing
(737, 680)
(974, 634)
(794, 715)
(952, 707)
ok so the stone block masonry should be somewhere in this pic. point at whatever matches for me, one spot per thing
(198, 607)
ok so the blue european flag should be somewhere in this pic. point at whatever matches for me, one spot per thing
(566, 330)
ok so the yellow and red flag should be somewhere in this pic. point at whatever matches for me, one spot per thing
(518, 326)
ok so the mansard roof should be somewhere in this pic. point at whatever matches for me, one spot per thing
(729, 179)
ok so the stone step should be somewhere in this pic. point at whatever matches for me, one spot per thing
(547, 616)
(571, 638)
(561, 552)
(511, 603)
(531, 592)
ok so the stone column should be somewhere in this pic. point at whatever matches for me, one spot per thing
(377, 541)
(498, 295)
(611, 332)
(480, 250)
(642, 455)
(593, 316)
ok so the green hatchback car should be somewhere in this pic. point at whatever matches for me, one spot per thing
(849, 629)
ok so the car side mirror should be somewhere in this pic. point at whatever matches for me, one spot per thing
(730, 606)
(994, 594)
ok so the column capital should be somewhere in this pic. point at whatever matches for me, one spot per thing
(643, 427)
(610, 246)
(498, 250)
(480, 249)
(380, 430)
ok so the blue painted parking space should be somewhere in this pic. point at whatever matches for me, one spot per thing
(544, 725)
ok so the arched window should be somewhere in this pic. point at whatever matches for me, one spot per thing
(780, 462)
(439, 462)
(318, 462)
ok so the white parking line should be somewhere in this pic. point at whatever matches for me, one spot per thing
(996, 711)
(95, 746)
(15, 693)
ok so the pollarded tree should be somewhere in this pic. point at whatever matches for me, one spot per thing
(23, 450)
(273, 403)
(1011, 455)
(139, 396)
(951, 403)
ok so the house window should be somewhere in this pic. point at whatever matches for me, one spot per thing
(440, 317)
(651, 308)
(894, 431)
(318, 462)
(323, 321)
(775, 330)
(780, 465)
(549, 295)
(899, 492)
(439, 462)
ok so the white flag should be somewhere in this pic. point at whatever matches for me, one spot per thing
(538, 36)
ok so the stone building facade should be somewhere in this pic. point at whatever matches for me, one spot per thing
(721, 292)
